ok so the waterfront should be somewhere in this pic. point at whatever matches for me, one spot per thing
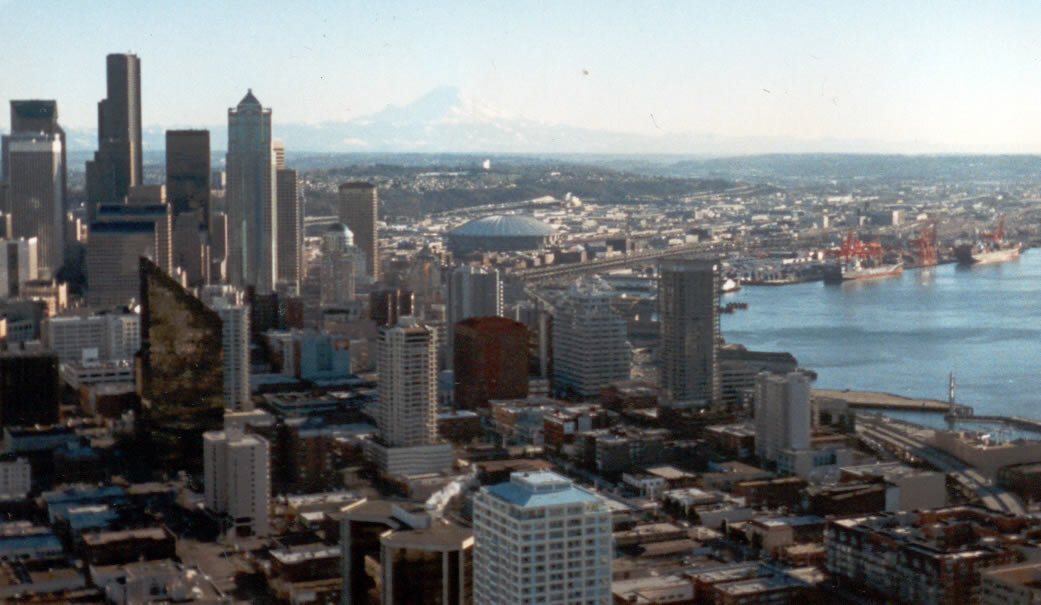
(904, 334)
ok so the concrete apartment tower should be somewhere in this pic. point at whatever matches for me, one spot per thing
(590, 346)
(117, 164)
(188, 193)
(359, 210)
(688, 307)
(251, 199)
(557, 549)
(407, 419)
(782, 413)
(237, 475)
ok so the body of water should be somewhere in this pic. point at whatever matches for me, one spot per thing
(905, 334)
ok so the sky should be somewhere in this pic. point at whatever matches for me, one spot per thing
(959, 75)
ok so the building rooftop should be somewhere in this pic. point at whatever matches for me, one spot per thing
(541, 488)
(440, 536)
(500, 225)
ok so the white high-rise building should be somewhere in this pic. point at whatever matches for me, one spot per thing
(107, 336)
(237, 475)
(472, 292)
(407, 416)
(252, 252)
(590, 346)
(782, 413)
(235, 340)
(541, 539)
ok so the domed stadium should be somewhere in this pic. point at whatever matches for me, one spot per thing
(500, 233)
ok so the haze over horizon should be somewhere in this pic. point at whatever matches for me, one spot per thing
(745, 77)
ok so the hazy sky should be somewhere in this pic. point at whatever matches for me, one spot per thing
(959, 74)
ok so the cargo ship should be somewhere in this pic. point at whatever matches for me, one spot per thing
(859, 260)
(991, 248)
(836, 273)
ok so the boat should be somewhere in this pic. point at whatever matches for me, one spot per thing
(856, 268)
(730, 285)
(859, 260)
(991, 248)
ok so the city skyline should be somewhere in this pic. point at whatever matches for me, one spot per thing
(806, 78)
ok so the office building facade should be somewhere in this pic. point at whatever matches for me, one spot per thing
(688, 309)
(188, 193)
(290, 230)
(557, 548)
(117, 164)
(35, 191)
(782, 414)
(359, 210)
(590, 346)
(473, 292)
(490, 361)
(252, 247)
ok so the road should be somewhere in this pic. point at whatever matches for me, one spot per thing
(912, 441)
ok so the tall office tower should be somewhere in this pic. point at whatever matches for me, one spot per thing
(119, 235)
(35, 192)
(491, 361)
(17, 265)
(688, 304)
(218, 247)
(188, 193)
(251, 199)
(590, 348)
(33, 117)
(359, 210)
(237, 473)
(341, 261)
(29, 388)
(117, 164)
(181, 371)
(235, 342)
(782, 413)
(290, 230)
(559, 552)
(427, 565)
(407, 415)
(472, 292)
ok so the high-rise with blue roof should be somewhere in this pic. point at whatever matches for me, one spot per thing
(539, 538)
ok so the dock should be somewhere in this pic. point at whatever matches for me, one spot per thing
(871, 400)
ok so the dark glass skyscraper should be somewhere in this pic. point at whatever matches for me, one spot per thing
(688, 306)
(117, 163)
(181, 370)
(188, 193)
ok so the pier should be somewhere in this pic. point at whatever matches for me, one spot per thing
(871, 400)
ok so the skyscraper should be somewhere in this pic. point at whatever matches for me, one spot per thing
(117, 164)
(251, 197)
(472, 292)
(407, 415)
(341, 261)
(590, 345)
(557, 549)
(181, 370)
(119, 235)
(17, 265)
(188, 193)
(36, 116)
(688, 303)
(290, 230)
(359, 210)
(235, 341)
(782, 413)
(33, 161)
(491, 361)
